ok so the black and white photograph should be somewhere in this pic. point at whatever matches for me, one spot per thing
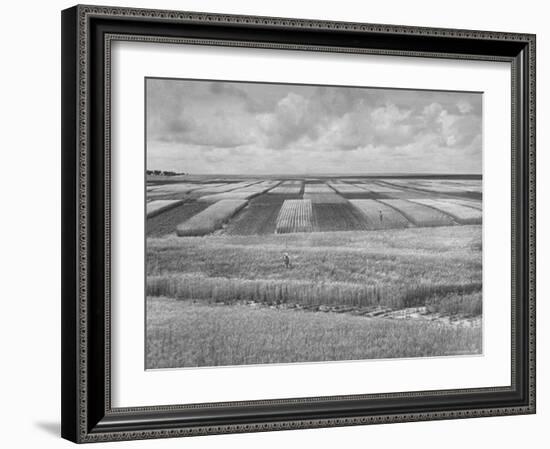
(290, 223)
(274, 221)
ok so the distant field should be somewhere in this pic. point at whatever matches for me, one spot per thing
(256, 219)
(405, 265)
(380, 216)
(408, 201)
(156, 207)
(211, 218)
(419, 214)
(167, 222)
(337, 216)
(220, 293)
(295, 216)
(183, 334)
(325, 198)
(461, 213)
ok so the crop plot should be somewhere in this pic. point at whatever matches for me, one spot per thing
(325, 198)
(166, 223)
(158, 206)
(420, 214)
(170, 191)
(339, 216)
(466, 202)
(211, 218)
(344, 188)
(378, 215)
(295, 216)
(243, 193)
(288, 187)
(255, 219)
(380, 188)
(462, 214)
(289, 223)
(222, 188)
(317, 188)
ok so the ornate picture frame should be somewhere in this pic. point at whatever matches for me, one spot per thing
(87, 35)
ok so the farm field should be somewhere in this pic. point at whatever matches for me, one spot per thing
(187, 334)
(395, 268)
(159, 206)
(167, 222)
(337, 216)
(255, 219)
(461, 213)
(211, 218)
(359, 250)
(295, 216)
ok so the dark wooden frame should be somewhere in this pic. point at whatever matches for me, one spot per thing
(87, 32)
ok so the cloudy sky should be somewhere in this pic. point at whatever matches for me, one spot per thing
(218, 127)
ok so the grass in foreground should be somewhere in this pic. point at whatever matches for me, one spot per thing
(186, 334)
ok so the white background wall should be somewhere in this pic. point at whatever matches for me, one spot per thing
(30, 228)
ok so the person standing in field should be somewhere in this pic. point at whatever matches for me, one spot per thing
(286, 260)
(381, 217)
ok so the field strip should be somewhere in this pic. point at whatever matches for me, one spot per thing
(286, 190)
(380, 188)
(158, 206)
(211, 218)
(317, 188)
(419, 214)
(340, 216)
(256, 219)
(444, 187)
(167, 189)
(324, 198)
(288, 187)
(468, 203)
(431, 188)
(379, 215)
(295, 216)
(241, 193)
(166, 223)
(462, 214)
(348, 188)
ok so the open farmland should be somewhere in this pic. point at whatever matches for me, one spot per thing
(225, 279)
(255, 219)
(469, 203)
(295, 216)
(288, 188)
(211, 218)
(158, 206)
(362, 253)
(178, 332)
(325, 198)
(167, 222)
(317, 188)
(380, 216)
(344, 188)
(420, 214)
(462, 214)
(337, 216)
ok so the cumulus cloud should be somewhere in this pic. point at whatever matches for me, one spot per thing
(233, 127)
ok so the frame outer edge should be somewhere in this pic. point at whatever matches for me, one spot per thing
(81, 15)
